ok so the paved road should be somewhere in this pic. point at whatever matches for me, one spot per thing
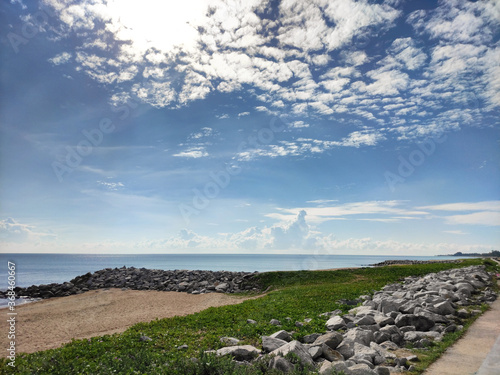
(477, 352)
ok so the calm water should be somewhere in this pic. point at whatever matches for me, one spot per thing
(36, 269)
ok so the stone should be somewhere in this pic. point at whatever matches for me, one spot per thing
(297, 348)
(282, 335)
(222, 287)
(365, 320)
(315, 352)
(421, 323)
(444, 308)
(281, 364)
(382, 351)
(414, 336)
(309, 339)
(331, 354)
(275, 322)
(335, 323)
(382, 370)
(346, 349)
(361, 369)
(326, 368)
(239, 353)
(229, 340)
(360, 336)
(145, 338)
(270, 344)
(332, 339)
(251, 321)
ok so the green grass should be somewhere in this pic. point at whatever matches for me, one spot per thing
(294, 295)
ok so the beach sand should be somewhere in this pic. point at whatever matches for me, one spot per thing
(50, 323)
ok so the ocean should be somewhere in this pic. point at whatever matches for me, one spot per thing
(37, 269)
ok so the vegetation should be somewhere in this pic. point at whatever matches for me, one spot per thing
(293, 296)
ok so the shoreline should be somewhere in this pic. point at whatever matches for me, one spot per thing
(50, 323)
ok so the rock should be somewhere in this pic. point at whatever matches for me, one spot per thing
(282, 335)
(335, 323)
(414, 336)
(361, 369)
(326, 368)
(365, 320)
(240, 353)
(281, 364)
(275, 322)
(331, 354)
(251, 321)
(222, 287)
(297, 348)
(270, 344)
(309, 339)
(315, 352)
(444, 308)
(382, 370)
(145, 338)
(229, 341)
(332, 339)
(360, 336)
(389, 345)
(382, 351)
(421, 323)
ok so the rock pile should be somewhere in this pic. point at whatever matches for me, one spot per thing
(363, 342)
(411, 262)
(195, 282)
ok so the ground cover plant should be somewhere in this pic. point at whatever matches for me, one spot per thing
(176, 345)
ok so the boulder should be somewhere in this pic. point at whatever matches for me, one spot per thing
(335, 323)
(240, 353)
(421, 323)
(282, 335)
(297, 348)
(360, 336)
(330, 354)
(270, 344)
(332, 339)
(281, 364)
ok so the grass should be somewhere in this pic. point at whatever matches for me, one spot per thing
(293, 297)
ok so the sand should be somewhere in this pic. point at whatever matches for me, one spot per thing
(50, 323)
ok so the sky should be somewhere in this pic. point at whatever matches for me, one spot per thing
(251, 126)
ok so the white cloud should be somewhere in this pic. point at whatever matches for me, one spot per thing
(193, 153)
(61, 58)
(488, 218)
(13, 231)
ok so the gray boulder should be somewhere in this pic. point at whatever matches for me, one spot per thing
(281, 364)
(360, 336)
(282, 335)
(297, 348)
(270, 344)
(240, 353)
(421, 323)
(335, 323)
(330, 354)
(332, 339)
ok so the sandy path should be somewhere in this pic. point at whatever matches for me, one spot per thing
(50, 323)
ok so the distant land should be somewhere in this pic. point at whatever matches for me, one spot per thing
(492, 253)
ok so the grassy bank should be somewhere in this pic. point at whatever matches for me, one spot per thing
(292, 297)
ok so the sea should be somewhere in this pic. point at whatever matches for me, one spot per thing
(37, 269)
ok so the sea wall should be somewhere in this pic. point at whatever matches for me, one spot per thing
(411, 262)
(194, 282)
(371, 338)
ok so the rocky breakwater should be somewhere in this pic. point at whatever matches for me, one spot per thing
(194, 282)
(366, 339)
(402, 262)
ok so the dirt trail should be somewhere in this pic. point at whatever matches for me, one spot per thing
(50, 323)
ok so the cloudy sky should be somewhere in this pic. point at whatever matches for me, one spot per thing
(251, 126)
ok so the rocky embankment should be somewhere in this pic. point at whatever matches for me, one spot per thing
(368, 340)
(410, 262)
(195, 282)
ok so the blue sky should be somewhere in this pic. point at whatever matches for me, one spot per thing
(321, 127)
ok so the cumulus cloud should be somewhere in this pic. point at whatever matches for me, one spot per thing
(13, 231)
